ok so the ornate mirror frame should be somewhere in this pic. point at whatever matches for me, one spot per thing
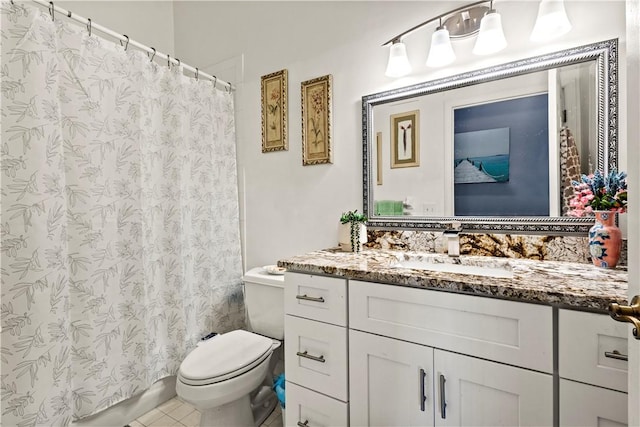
(605, 55)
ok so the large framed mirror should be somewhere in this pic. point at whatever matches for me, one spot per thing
(495, 149)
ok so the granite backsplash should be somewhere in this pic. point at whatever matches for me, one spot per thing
(535, 247)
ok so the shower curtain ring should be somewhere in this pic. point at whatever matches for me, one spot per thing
(179, 63)
(154, 53)
(52, 11)
(68, 14)
(197, 73)
(169, 61)
(215, 80)
(230, 87)
(126, 45)
(89, 26)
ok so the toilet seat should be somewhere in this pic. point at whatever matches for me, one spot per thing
(224, 357)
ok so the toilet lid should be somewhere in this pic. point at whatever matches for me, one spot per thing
(224, 355)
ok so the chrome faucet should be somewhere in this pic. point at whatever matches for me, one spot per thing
(452, 232)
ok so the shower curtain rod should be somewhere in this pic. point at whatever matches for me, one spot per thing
(53, 9)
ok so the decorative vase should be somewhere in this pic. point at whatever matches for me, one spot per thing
(344, 237)
(605, 240)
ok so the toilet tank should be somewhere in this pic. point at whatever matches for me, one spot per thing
(264, 302)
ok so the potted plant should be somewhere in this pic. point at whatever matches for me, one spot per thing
(352, 232)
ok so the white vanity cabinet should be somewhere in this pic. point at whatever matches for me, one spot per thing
(370, 354)
(315, 339)
(592, 367)
(398, 383)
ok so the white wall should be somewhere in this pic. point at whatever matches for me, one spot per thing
(149, 22)
(287, 208)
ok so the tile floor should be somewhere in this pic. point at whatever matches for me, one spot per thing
(175, 412)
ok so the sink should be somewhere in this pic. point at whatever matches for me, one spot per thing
(457, 266)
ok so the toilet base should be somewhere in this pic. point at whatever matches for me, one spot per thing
(237, 413)
(263, 404)
(240, 413)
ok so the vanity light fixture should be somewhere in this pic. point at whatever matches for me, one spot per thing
(463, 21)
(552, 21)
(468, 20)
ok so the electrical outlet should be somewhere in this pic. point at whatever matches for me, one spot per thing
(429, 208)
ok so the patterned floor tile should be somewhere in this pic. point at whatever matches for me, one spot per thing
(150, 417)
(181, 411)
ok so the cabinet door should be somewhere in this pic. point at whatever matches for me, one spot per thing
(589, 406)
(476, 392)
(391, 382)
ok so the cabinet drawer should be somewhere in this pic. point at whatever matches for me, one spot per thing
(316, 356)
(590, 406)
(316, 297)
(515, 333)
(587, 342)
(313, 409)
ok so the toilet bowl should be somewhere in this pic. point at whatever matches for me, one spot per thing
(227, 378)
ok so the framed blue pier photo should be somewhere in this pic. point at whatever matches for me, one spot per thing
(481, 156)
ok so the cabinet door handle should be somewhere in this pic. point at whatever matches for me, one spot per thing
(304, 424)
(443, 404)
(423, 397)
(308, 298)
(628, 313)
(615, 354)
(306, 355)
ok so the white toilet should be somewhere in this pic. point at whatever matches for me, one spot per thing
(228, 377)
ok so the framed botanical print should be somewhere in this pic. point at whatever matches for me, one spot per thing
(405, 139)
(274, 111)
(316, 121)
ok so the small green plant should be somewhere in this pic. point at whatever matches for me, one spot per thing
(354, 218)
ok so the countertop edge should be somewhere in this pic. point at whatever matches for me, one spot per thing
(555, 294)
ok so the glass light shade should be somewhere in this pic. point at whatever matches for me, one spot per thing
(441, 52)
(552, 21)
(491, 37)
(398, 64)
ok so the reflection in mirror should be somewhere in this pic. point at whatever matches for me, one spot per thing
(497, 148)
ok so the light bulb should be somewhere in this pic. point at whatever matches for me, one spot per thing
(552, 21)
(491, 37)
(398, 64)
(441, 53)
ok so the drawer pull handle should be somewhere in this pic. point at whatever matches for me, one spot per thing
(423, 397)
(443, 403)
(304, 424)
(306, 355)
(308, 298)
(615, 354)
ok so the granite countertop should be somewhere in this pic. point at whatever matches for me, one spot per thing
(573, 285)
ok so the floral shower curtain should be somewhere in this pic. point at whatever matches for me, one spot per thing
(119, 227)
